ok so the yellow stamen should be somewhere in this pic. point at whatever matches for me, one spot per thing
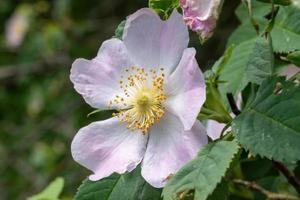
(142, 99)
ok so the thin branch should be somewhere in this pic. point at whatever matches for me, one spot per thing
(290, 176)
(232, 104)
(270, 195)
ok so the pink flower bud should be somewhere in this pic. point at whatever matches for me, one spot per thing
(201, 16)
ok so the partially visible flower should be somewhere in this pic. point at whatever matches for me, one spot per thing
(201, 16)
(154, 83)
(17, 26)
(214, 128)
(289, 71)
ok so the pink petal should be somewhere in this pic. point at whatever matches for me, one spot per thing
(289, 71)
(185, 89)
(107, 146)
(97, 80)
(153, 42)
(169, 148)
(202, 9)
(214, 129)
(201, 15)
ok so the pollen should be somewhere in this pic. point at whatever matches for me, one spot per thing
(142, 99)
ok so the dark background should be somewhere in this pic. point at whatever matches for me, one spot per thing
(39, 110)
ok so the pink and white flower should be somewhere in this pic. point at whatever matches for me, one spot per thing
(154, 83)
(201, 15)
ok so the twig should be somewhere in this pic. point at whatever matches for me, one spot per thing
(232, 104)
(268, 194)
(290, 176)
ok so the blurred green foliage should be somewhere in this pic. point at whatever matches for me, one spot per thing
(40, 111)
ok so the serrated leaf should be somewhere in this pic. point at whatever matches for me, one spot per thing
(130, 186)
(51, 192)
(285, 33)
(204, 172)
(270, 126)
(261, 61)
(251, 61)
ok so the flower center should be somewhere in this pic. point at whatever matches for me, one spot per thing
(141, 99)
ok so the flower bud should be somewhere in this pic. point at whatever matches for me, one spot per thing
(201, 16)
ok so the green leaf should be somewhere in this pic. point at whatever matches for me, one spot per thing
(130, 186)
(221, 62)
(51, 192)
(270, 126)
(164, 7)
(251, 61)
(243, 33)
(246, 30)
(204, 172)
(261, 61)
(285, 33)
(233, 73)
(215, 104)
(259, 10)
(294, 58)
(119, 30)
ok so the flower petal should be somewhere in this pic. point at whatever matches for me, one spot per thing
(202, 9)
(153, 42)
(97, 80)
(289, 71)
(201, 15)
(107, 146)
(169, 148)
(185, 89)
(214, 129)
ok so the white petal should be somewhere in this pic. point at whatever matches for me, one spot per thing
(169, 148)
(97, 80)
(155, 43)
(107, 146)
(214, 129)
(185, 89)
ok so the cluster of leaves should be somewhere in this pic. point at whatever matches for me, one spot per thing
(259, 157)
